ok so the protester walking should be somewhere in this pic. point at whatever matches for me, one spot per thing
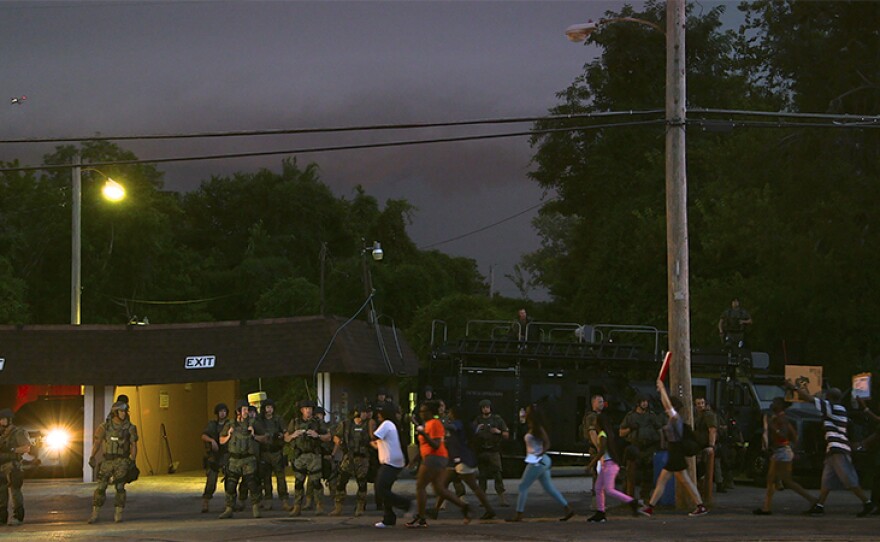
(605, 462)
(537, 466)
(676, 464)
(434, 460)
(391, 462)
(463, 461)
(779, 437)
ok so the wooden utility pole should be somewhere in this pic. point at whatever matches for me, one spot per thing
(678, 295)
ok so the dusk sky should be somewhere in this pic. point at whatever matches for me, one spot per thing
(138, 67)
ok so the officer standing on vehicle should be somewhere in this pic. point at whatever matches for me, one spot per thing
(490, 430)
(216, 454)
(307, 434)
(732, 325)
(117, 439)
(353, 437)
(14, 441)
(243, 438)
(272, 459)
(641, 429)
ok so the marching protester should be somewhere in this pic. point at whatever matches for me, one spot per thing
(537, 466)
(463, 461)
(434, 460)
(391, 462)
(779, 437)
(838, 471)
(606, 462)
(676, 464)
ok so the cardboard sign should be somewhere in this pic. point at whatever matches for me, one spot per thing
(810, 374)
(861, 385)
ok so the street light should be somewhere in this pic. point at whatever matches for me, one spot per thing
(112, 191)
(377, 254)
(678, 293)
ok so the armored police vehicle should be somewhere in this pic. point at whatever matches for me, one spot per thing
(560, 366)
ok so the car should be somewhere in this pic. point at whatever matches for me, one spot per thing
(55, 427)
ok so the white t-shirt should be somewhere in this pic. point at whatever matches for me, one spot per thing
(389, 445)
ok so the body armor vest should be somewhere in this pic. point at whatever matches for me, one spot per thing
(117, 438)
(356, 438)
(241, 443)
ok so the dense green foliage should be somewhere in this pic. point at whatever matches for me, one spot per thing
(784, 218)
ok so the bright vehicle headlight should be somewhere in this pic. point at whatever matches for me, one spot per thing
(57, 439)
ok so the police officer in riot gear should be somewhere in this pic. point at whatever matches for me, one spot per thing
(490, 430)
(243, 438)
(353, 437)
(117, 439)
(272, 460)
(14, 441)
(306, 434)
(216, 454)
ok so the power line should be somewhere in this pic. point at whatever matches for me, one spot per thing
(356, 128)
(334, 148)
(484, 228)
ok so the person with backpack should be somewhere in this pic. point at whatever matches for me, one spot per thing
(117, 439)
(606, 463)
(680, 444)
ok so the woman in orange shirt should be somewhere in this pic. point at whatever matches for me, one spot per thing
(434, 461)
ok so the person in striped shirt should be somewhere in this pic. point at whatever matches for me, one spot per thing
(838, 472)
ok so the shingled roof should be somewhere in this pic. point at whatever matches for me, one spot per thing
(162, 354)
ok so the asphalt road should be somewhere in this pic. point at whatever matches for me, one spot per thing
(167, 508)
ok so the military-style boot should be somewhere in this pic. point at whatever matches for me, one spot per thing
(337, 509)
(94, 517)
(361, 506)
(319, 506)
(307, 505)
(205, 505)
(227, 513)
(117, 515)
(296, 510)
(256, 511)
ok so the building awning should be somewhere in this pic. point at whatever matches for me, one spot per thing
(179, 353)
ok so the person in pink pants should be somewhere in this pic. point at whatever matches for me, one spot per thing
(606, 460)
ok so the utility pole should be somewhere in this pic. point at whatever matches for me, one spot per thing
(678, 295)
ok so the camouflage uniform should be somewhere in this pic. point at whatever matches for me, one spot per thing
(643, 441)
(117, 440)
(243, 452)
(355, 442)
(213, 461)
(488, 448)
(272, 459)
(11, 475)
(307, 455)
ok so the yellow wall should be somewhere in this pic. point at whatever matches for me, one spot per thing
(185, 410)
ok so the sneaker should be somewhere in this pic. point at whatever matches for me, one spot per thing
(761, 512)
(647, 511)
(381, 525)
(867, 509)
(417, 522)
(700, 510)
(816, 510)
(634, 505)
(598, 517)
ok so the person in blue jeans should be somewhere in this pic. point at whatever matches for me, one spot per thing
(537, 466)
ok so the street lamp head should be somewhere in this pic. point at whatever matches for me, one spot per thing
(112, 190)
(377, 252)
(579, 32)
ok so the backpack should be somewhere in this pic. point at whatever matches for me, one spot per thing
(689, 444)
